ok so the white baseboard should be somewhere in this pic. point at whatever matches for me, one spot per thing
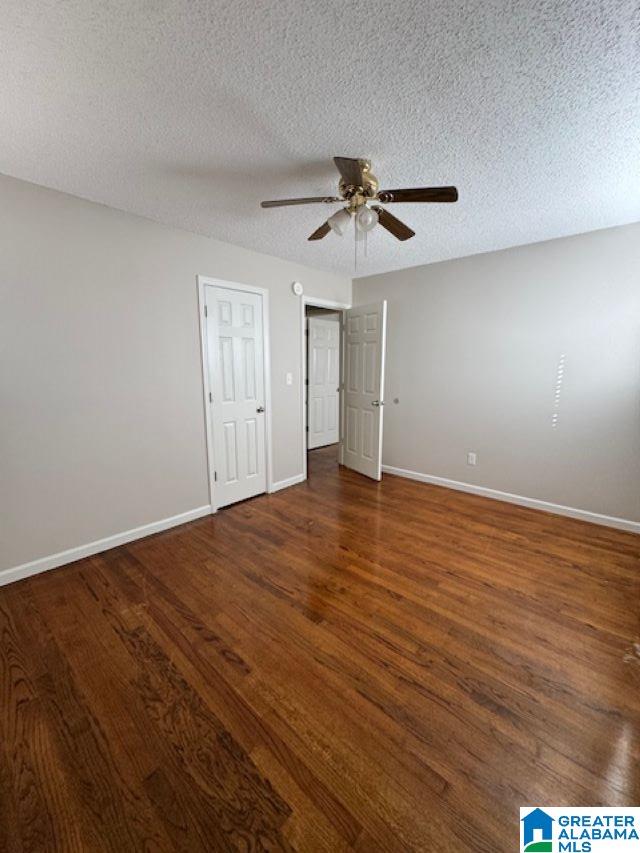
(54, 560)
(284, 484)
(532, 503)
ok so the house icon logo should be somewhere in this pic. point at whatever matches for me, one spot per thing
(537, 832)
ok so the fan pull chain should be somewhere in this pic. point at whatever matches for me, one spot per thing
(355, 246)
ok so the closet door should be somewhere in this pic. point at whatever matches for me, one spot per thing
(323, 343)
(235, 354)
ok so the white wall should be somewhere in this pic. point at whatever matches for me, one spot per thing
(101, 411)
(472, 354)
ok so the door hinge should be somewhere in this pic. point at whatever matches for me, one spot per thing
(210, 397)
(206, 313)
(215, 476)
(307, 429)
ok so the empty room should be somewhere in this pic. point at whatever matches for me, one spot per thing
(319, 426)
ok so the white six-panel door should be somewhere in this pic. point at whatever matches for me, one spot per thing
(235, 356)
(323, 379)
(365, 332)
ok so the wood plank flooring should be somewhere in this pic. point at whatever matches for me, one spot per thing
(343, 665)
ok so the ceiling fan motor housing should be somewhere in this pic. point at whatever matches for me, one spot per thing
(359, 195)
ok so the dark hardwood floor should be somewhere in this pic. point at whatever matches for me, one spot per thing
(341, 665)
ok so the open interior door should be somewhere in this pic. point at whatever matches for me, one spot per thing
(364, 337)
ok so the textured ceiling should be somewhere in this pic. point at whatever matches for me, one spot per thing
(192, 112)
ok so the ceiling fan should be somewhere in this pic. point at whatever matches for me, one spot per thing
(358, 190)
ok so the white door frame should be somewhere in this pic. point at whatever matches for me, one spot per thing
(340, 307)
(204, 282)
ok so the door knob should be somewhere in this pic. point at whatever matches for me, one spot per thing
(377, 403)
(260, 410)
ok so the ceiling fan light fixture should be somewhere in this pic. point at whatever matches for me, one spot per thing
(339, 221)
(361, 198)
(366, 218)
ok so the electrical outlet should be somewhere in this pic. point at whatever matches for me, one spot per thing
(472, 458)
(289, 378)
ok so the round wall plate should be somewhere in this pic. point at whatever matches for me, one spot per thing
(297, 288)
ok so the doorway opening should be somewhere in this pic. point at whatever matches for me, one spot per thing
(323, 358)
(361, 366)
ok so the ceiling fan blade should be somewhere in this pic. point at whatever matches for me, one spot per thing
(283, 202)
(393, 224)
(320, 232)
(350, 170)
(419, 194)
